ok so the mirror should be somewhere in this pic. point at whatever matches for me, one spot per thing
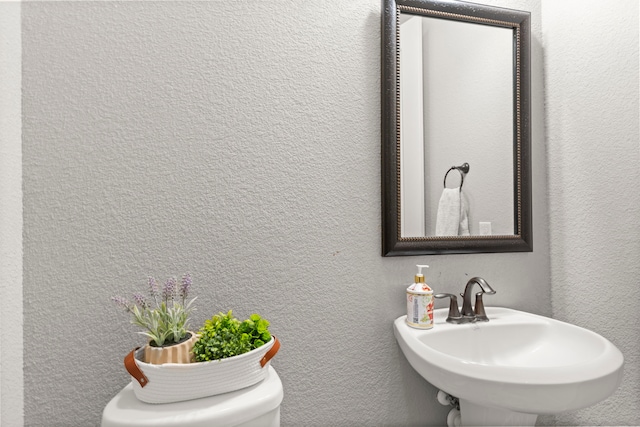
(455, 128)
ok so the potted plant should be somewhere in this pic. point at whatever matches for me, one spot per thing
(164, 318)
(228, 355)
(225, 336)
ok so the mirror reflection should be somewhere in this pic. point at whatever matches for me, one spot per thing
(456, 107)
(456, 131)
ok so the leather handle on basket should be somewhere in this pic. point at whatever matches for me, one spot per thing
(272, 352)
(132, 367)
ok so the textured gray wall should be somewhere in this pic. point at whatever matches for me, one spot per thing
(593, 139)
(239, 141)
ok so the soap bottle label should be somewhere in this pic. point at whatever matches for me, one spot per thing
(420, 310)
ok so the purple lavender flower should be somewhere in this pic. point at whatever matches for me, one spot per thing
(122, 302)
(140, 300)
(186, 285)
(167, 319)
(154, 290)
(153, 287)
(169, 291)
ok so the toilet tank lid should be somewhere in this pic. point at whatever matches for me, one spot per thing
(224, 410)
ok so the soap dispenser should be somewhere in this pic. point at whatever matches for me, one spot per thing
(420, 302)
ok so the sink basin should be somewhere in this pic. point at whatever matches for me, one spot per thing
(517, 362)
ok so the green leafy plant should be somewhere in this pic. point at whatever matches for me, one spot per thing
(225, 336)
(165, 319)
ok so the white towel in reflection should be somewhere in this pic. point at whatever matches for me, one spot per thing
(463, 230)
(453, 214)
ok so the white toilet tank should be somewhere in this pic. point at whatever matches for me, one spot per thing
(254, 406)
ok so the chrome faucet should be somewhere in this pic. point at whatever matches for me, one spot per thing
(467, 311)
(454, 315)
(468, 314)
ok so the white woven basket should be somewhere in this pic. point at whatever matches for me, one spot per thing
(175, 382)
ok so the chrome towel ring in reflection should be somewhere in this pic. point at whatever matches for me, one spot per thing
(463, 169)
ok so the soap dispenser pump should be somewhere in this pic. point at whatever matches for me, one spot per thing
(420, 302)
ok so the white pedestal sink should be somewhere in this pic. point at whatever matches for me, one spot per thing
(518, 365)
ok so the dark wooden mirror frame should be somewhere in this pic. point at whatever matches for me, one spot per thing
(393, 244)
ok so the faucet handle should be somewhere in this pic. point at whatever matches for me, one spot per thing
(481, 315)
(454, 315)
